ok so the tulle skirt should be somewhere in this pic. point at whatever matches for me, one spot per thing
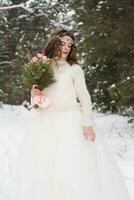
(56, 162)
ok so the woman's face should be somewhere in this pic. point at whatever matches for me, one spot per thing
(66, 46)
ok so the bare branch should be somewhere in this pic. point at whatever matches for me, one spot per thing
(15, 6)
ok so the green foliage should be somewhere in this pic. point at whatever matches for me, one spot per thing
(38, 73)
(22, 35)
(106, 44)
(122, 93)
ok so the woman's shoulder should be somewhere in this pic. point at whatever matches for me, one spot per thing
(76, 68)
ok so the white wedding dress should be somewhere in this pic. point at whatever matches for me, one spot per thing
(54, 160)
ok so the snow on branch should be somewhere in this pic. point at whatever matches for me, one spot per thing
(14, 6)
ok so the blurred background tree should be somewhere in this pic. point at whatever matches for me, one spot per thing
(106, 32)
(105, 40)
(22, 34)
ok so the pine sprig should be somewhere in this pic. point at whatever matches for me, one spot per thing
(39, 72)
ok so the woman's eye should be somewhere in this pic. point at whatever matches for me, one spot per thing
(69, 45)
(63, 43)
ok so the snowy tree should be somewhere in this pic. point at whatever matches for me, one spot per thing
(23, 34)
(106, 43)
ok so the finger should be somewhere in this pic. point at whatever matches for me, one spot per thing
(36, 90)
(36, 93)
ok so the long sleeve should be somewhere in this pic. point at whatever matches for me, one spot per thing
(83, 95)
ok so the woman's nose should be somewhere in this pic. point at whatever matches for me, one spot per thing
(66, 47)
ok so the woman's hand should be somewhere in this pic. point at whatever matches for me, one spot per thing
(89, 132)
(35, 91)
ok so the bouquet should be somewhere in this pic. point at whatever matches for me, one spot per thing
(39, 72)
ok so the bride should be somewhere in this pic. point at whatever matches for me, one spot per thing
(60, 156)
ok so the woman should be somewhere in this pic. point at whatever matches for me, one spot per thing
(61, 157)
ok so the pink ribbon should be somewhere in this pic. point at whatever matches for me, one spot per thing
(41, 100)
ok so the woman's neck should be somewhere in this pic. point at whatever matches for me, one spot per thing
(59, 62)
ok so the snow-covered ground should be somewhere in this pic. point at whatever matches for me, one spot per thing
(118, 133)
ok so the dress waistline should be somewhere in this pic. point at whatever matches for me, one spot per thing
(60, 107)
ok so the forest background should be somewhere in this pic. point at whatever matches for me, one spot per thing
(104, 32)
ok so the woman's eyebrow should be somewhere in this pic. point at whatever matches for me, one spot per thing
(67, 42)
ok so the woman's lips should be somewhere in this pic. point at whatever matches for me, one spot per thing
(64, 52)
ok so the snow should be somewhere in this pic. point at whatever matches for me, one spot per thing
(21, 5)
(115, 129)
(119, 134)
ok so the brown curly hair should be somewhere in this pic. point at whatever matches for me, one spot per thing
(53, 46)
